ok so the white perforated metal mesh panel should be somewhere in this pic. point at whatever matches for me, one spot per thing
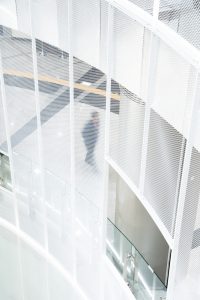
(90, 102)
(163, 165)
(166, 143)
(128, 52)
(183, 17)
(127, 115)
(53, 76)
(3, 129)
(126, 137)
(187, 274)
(86, 30)
(21, 114)
(147, 5)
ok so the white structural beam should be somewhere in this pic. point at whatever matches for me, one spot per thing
(185, 218)
(164, 32)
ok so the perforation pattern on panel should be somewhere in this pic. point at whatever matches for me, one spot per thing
(126, 131)
(187, 275)
(90, 103)
(183, 17)
(21, 108)
(86, 30)
(3, 147)
(129, 65)
(174, 85)
(163, 166)
(128, 52)
(147, 5)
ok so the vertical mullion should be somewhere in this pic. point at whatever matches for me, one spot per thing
(39, 142)
(149, 99)
(39, 128)
(109, 65)
(72, 131)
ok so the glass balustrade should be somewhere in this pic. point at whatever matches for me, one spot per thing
(5, 177)
(139, 276)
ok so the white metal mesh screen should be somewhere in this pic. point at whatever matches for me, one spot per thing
(187, 278)
(3, 130)
(53, 75)
(86, 30)
(129, 65)
(89, 97)
(182, 16)
(21, 110)
(162, 169)
(147, 5)
(165, 141)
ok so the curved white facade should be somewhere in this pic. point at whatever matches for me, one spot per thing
(137, 64)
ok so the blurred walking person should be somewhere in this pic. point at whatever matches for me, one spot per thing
(90, 135)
